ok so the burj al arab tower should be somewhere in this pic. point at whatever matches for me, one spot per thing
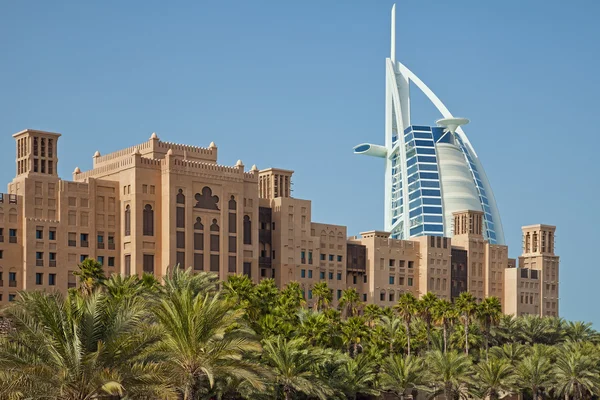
(430, 171)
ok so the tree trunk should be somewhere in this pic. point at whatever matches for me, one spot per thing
(287, 392)
(467, 335)
(408, 336)
(448, 391)
(486, 335)
(445, 338)
(428, 334)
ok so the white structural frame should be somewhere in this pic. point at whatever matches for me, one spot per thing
(397, 119)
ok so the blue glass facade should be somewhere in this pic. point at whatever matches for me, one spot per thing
(422, 199)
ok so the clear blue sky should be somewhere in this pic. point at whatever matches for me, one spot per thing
(297, 84)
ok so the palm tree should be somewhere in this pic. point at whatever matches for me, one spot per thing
(203, 337)
(489, 312)
(406, 308)
(400, 374)
(323, 294)
(534, 372)
(467, 306)
(535, 329)
(576, 374)
(392, 330)
(494, 377)
(91, 275)
(581, 332)
(315, 327)
(444, 314)
(513, 352)
(239, 289)
(293, 365)
(81, 347)
(449, 370)
(350, 300)
(426, 307)
(372, 313)
(357, 376)
(353, 331)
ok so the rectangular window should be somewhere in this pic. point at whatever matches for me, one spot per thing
(391, 280)
(331, 257)
(247, 269)
(302, 273)
(52, 279)
(214, 242)
(411, 264)
(310, 295)
(39, 279)
(392, 263)
(339, 294)
(83, 238)
(410, 281)
(111, 261)
(100, 260)
(401, 281)
(83, 257)
(232, 223)
(232, 264)
(39, 255)
(198, 241)
(322, 257)
(391, 297)
(52, 234)
(310, 273)
(127, 264)
(339, 258)
(331, 276)
(321, 275)
(232, 244)
(180, 259)
(310, 258)
(180, 239)
(214, 262)
(39, 234)
(382, 296)
(354, 279)
(12, 297)
(339, 276)
(198, 262)
(365, 279)
(364, 297)
(180, 217)
(148, 263)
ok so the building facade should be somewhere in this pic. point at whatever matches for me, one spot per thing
(157, 205)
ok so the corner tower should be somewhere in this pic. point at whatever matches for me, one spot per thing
(36, 152)
(430, 171)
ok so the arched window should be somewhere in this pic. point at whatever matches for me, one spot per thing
(180, 197)
(214, 227)
(148, 221)
(198, 224)
(247, 230)
(232, 203)
(127, 220)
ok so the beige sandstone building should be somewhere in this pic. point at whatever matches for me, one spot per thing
(156, 205)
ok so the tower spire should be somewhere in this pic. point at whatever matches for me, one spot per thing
(393, 42)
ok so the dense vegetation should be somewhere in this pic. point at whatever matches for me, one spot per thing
(192, 337)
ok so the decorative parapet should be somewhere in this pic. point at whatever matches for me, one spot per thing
(105, 169)
(236, 172)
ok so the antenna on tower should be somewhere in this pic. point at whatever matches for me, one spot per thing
(393, 42)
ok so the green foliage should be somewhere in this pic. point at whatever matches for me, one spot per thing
(191, 337)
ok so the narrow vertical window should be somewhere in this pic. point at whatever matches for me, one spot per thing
(127, 220)
(247, 230)
(148, 220)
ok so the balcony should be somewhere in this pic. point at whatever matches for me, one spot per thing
(264, 261)
(52, 263)
(84, 243)
(39, 263)
(72, 243)
(12, 283)
(111, 246)
(12, 239)
(100, 245)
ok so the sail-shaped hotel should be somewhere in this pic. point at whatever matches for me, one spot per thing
(430, 171)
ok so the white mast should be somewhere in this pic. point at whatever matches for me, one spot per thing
(393, 42)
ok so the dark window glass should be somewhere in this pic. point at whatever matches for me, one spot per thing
(198, 224)
(180, 259)
(111, 261)
(232, 203)
(214, 227)
(39, 279)
(214, 262)
(127, 220)
(247, 230)
(248, 269)
(180, 217)
(52, 235)
(198, 241)
(232, 264)
(198, 262)
(214, 243)
(232, 223)
(148, 220)
(127, 265)
(180, 239)
(52, 279)
(149, 263)
(232, 244)
(180, 197)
